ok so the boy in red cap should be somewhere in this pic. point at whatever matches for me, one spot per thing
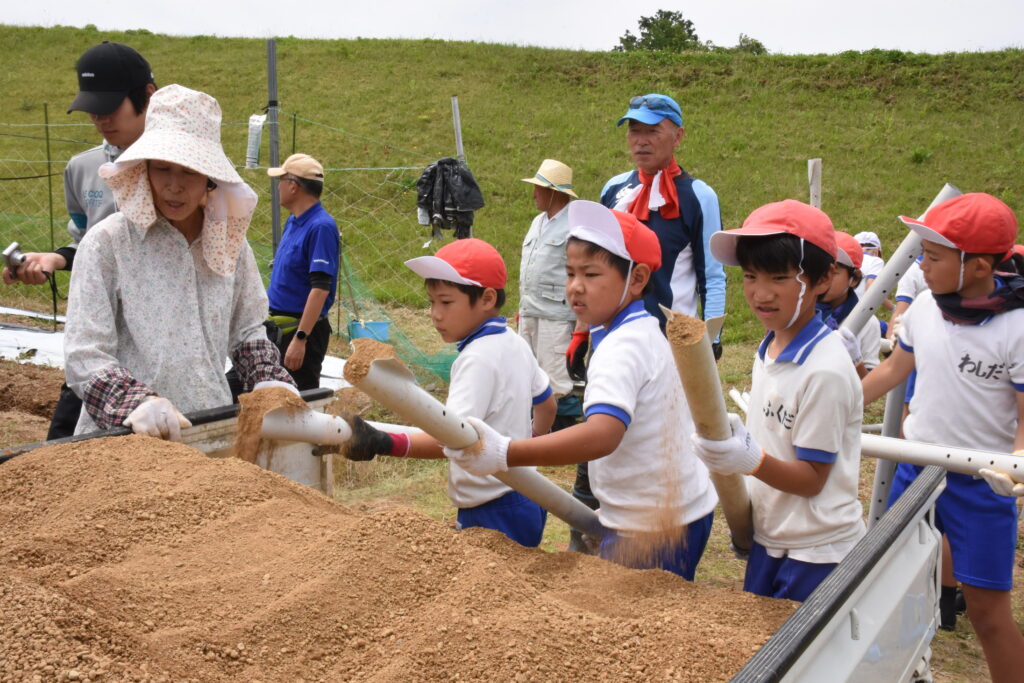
(495, 378)
(801, 442)
(965, 335)
(841, 298)
(656, 498)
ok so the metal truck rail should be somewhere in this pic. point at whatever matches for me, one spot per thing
(875, 615)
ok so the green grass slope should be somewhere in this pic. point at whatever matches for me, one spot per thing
(892, 127)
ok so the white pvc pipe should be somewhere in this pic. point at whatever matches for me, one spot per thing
(962, 460)
(738, 399)
(311, 426)
(894, 269)
(390, 382)
(394, 429)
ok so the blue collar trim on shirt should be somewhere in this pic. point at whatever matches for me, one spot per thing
(633, 311)
(490, 326)
(834, 317)
(802, 345)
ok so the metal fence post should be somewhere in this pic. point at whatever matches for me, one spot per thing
(814, 180)
(460, 151)
(49, 171)
(272, 107)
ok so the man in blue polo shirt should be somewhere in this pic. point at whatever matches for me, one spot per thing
(305, 272)
(680, 209)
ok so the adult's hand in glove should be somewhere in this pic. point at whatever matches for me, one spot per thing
(275, 383)
(366, 441)
(157, 417)
(576, 356)
(487, 456)
(1001, 482)
(851, 344)
(738, 454)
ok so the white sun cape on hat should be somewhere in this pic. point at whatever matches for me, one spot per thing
(183, 127)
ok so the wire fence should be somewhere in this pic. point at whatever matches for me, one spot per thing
(372, 199)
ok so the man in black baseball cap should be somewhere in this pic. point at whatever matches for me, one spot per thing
(108, 73)
(114, 87)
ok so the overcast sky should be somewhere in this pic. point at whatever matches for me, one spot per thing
(789, 26)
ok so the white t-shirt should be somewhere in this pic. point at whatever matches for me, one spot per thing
(495, 378)
(911, 284)
(968, 377)
(871, 268)
(870, 338)
(653, 476)
(807, 404)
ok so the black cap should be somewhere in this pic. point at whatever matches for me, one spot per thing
(106, 73)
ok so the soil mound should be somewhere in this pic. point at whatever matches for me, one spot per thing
(29, 388)
(136, 559)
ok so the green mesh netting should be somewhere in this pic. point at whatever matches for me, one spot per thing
(358, 314)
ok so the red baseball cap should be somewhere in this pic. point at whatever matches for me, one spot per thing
(974, 223)
(464, 262)
(788, 217)
(618, 232)
(850, 252)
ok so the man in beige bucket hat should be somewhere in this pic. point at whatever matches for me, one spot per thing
(545, 319)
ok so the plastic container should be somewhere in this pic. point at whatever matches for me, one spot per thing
(374, 329)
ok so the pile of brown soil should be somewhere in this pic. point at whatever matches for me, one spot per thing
(136, 559)
(29, 388)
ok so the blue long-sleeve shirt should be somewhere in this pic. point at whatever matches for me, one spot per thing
(689, 273)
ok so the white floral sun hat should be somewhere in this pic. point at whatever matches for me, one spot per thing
(183, 127)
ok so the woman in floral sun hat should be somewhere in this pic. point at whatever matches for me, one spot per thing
(167, 288)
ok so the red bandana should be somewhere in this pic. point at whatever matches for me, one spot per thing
(667, 187)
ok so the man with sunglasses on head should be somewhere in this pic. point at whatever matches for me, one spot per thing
(681, 210)
(305, 271)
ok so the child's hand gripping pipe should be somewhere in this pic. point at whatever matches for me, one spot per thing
(375, 370)
(695, 361)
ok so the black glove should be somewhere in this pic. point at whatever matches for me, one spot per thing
(716, 348)
(366, 442)
(576, 356)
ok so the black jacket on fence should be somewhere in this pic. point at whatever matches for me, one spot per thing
(447, 194)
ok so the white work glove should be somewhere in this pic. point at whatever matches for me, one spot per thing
(1001, 483)
(895, 325)
(739, 454)
(157, 417)
(274, 383)
(851, 344)
(488, 457)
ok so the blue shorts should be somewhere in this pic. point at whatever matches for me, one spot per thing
(981, 527)
(884, 326)
(782, 577)
(681, 560)
(513, 514)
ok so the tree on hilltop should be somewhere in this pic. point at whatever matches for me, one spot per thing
(667, 31)
(670, 32)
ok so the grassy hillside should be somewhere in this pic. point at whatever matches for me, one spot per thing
(890, 126)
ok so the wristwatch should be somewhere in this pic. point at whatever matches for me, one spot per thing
(300, 335)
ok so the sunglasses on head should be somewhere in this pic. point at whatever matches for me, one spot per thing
(651, 103)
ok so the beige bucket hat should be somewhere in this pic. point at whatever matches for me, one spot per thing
(183, 127)
(554, 174)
